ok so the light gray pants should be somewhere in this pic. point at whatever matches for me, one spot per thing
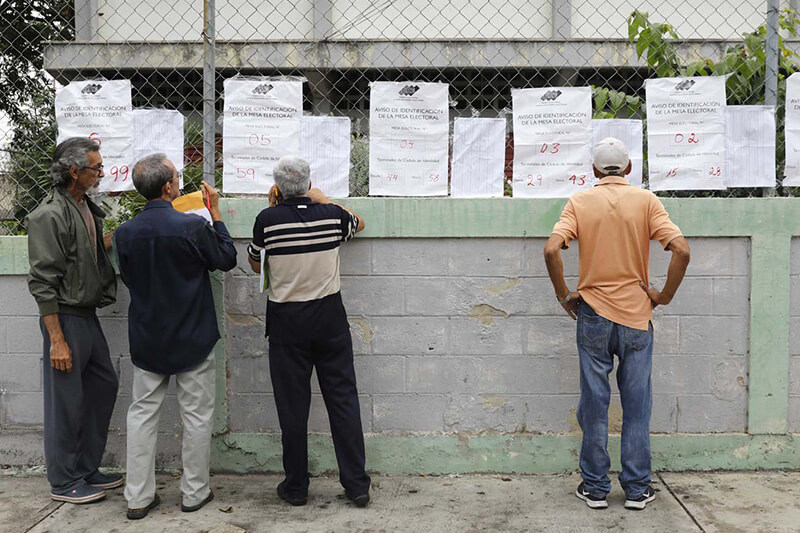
(196, 401)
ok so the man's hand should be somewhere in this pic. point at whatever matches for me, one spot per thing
(318, 196)
(108, 239)
(213, 201)
(656, 297)
(570, 304)
(60, 356)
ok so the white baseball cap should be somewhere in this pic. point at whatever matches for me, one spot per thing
(610, 155)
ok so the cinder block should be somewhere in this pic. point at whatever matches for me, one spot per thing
(17, 300)
(666, 335)
(249, 374)
(659, 260)
(21, 409)
(568, 371)
(795, 256)
(794, 414)
(253, 413)
(486, 336)
(408, 335)
(533, 259)
(694, 297)
(380, 374)
(361, 334)
(713, 335)
(408, 412)
(485, 413)
(683, 375)
(467, 295)
(24, 334)
(454, 375)
(374, 296)
(21, 373)
(245, 336)
(120, 307)
(719, 257)
(430, 297)
(240, 294)
(794, 376)
(794, 335)
(119, 416)
(551, 413)
(116, 333)
(794, 297)
(517, 375)
(732, 296)
(551, 336)
(485, 257)
(3, 337)
(730, 378)
(242, 264)
(318, 421)
(410, 257)
(707, 414)
(664, 416)
(355, 257)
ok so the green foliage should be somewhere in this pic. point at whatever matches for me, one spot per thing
(359, 165)
(609, 103)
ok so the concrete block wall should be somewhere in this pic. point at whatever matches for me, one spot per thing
(21, 408)
(794, 340)
(465, 335)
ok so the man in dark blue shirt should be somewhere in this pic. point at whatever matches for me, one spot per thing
(164, 259)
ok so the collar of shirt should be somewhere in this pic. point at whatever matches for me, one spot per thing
(616, 180)
(299, 200)
(153, 204)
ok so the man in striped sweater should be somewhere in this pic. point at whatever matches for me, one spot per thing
(298, 237)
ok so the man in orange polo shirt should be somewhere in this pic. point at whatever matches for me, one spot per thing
(614, 224)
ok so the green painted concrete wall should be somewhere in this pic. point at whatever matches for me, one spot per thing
(770, 223)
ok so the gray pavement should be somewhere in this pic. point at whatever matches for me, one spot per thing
(711, 502)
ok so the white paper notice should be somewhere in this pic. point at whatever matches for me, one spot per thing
(408, 139)
(628, 131)
(750, 148)
(158, 130)
(325, 144)
(261, 125)
(686, 133)
(100, 110)
(552, 141)
(792, 125)
(479, 149)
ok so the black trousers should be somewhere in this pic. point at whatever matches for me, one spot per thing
(290, 368)
(78, 404)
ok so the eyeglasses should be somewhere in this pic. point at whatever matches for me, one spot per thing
(99, 169)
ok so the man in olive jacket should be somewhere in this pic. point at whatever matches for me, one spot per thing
(70, 277)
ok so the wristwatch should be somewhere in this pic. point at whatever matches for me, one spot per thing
(566, 299)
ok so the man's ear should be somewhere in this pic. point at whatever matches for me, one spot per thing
(73, 173)
(309, 185)
(629, 168)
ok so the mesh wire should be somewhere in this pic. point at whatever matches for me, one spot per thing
(481, 48)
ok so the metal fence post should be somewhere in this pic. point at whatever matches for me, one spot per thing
(771, 74)
(209, 94)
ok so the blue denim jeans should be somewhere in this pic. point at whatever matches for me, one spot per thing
(599, 340)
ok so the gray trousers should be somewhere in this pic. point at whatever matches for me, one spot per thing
(77, 404)
(196, 402)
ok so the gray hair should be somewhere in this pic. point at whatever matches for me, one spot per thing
(292, 176)
(150, 174)
(74, 152)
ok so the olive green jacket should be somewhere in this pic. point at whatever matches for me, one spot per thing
(64, 277)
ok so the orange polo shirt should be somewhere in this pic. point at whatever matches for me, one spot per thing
(614, 224)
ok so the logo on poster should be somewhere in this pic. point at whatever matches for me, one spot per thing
(92, 88)
(408, 90)
(684, 85)
(264, 88)
(551, 96)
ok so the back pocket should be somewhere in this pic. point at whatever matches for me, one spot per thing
(594, 332)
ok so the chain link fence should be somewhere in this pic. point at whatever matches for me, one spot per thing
(177, 54)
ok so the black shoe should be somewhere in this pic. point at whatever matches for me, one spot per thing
(592, 500)
(642, 500)
(193, 508)
(362, 500)
(138, 514)
(79, 494)
(292, 500)
(105, 481)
